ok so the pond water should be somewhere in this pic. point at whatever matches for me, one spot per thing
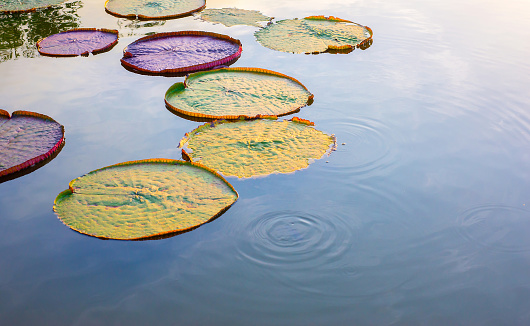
(420, 217)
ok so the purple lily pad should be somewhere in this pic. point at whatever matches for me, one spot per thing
(180, 52)
(78, 41)
(27, 138)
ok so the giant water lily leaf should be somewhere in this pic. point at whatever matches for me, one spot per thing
(314, 34)
(257, 147)
(180, 52)
(153, 9)
(141, 199)
(232, 93)
(11, 6)
(233, 16)
(27, 138)
(78, 41)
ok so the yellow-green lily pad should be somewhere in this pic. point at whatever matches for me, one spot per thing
(233, 93)
(257, 147)
(234, 16)
(143, 199)
(12, 6)
(153, 9)
(314, 34)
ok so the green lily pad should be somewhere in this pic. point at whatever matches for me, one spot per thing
(314, 34)
(153, 9)
(258, 147)
(233, 16)
(12, 6)
(232, 93)
(144, 199)
(27, 138)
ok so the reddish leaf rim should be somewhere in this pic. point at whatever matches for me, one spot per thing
(31, 9)
(36, 159)
(232, 117)
(160, 235)
(144, 17)
(194, 68)
(95, 51)
(344, 48)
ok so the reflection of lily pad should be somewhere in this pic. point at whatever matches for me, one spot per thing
(180, 52)
(233, 16)
(12, 6)
(153, 9)
(139, 199)
(231, 93)
(258, 147)
(27, 138)
(78, 41)
(314, 34)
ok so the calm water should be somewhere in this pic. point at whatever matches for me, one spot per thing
(421, 216)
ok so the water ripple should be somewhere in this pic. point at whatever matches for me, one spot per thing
(497, 227)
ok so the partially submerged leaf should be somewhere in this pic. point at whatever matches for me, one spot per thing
(257, 147)
(180, 52)
(141, 199)
(78, 41)
(27, 138)
(314, 34)
(233, 16)
(12, 6)
(232, 93)
(153, 9)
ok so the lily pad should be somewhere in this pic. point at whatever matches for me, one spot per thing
(27, 138)
(12, 6)
(144, 199)
(314, 34)
(78, 41)
(153, 9)
(233, 16)
(258, 147)
(233, 93)
(180, 52)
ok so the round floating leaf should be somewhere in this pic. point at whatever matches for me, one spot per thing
(257, 147)
(232, 93)
(180, 52)
(153, 9)
(233, 16)
(27, 138)
(139, 199)
(11, 6)
(78, 41)
(314, 34)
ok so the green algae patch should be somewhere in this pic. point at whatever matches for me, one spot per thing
(143, 199)
(314, 34)
(257, 147)
(234, 16)
(233, 93)
(13, 6)
(153, 9)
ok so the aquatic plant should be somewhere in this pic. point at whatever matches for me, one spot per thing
(153, 9)
(15, 6)
(233, 93)
(78, 41)
(233, 16)
(143, 199)
(257, 147)
(314, 34)
(180, 52)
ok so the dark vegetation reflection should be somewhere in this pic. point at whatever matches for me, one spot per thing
(21, 31)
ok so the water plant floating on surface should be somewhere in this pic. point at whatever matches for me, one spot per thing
(314, 34)
(233, 16)
(153, 9)
(78, 41)
(258, 147)
(143, 199)
(27, 138)
(180, 52)
(12, 6)
(233, 93)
